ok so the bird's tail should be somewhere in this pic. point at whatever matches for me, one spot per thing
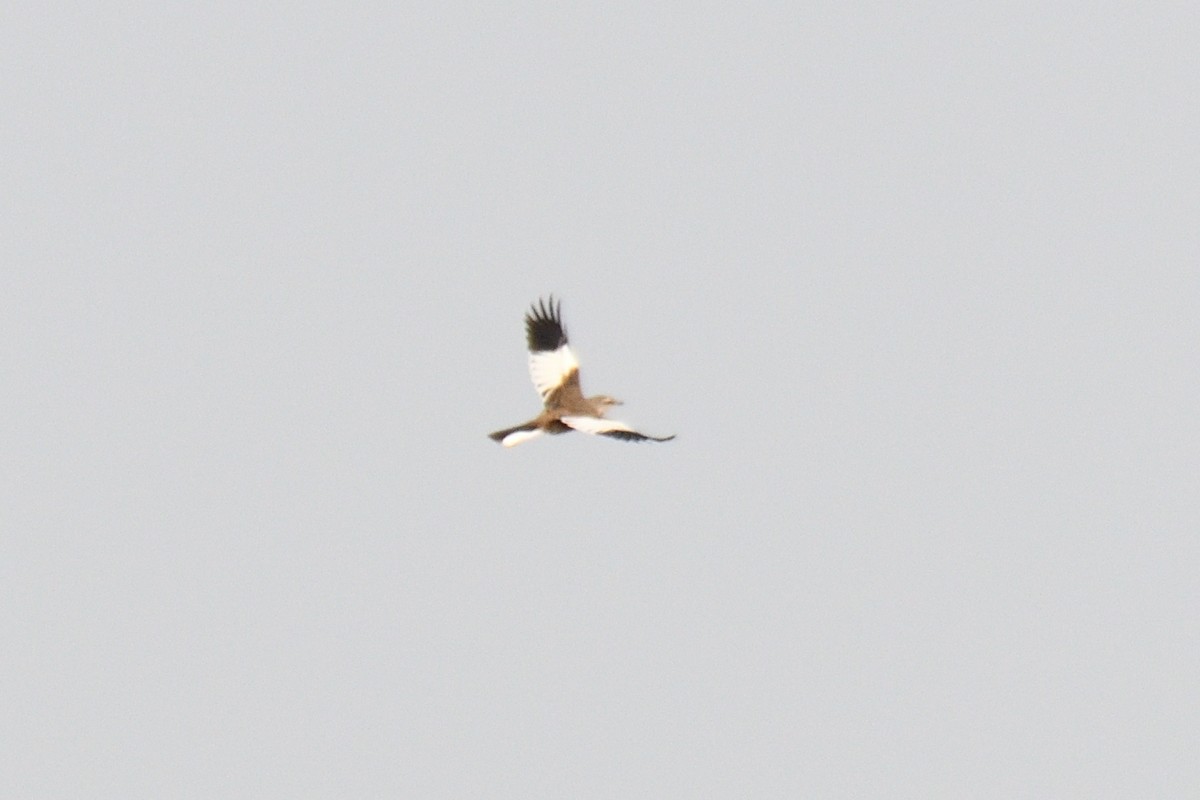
(516, 434)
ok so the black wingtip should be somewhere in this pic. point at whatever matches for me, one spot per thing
(634, 436)
(543, 326)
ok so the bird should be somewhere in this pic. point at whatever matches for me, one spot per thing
(555, 373)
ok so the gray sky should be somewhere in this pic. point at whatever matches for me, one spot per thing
(918, 290)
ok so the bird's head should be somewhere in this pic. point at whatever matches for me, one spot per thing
(603, 402)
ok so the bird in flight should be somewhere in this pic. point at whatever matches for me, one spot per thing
(555, 373)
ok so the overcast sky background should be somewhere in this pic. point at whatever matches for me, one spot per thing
(917, 289)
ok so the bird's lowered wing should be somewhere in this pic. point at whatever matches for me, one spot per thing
(609, 427)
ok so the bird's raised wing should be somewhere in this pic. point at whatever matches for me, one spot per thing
(552, 364)
(609, 427)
